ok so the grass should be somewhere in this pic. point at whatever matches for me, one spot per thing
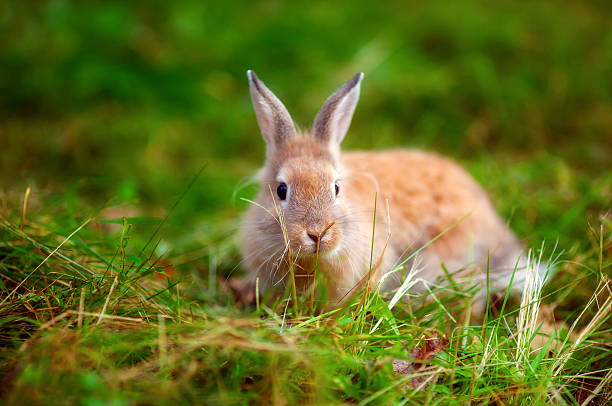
(86, 317)
(113, 259)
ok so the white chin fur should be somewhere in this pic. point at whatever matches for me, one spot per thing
(323, 252)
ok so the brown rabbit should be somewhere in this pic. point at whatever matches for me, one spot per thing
(316, 204)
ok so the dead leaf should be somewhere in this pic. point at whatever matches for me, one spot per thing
(421, 356)
(166, 268)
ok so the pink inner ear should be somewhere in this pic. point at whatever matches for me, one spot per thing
(342, 116)
(334, 118)
(264, 119)
(273, 118)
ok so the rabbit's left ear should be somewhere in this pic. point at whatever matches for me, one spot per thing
(333, 120)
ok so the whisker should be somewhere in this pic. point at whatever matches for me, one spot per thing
(249, 256)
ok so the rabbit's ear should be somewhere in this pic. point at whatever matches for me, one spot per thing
(333, 120)
(273, 118)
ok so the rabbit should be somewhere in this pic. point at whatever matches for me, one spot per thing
(360, 214)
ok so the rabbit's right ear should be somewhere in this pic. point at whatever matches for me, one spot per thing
(273, 118)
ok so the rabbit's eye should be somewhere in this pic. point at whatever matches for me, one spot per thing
(281, 190)
(337, 187)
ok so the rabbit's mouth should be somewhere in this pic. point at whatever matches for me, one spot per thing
(319, 243)
(322, 248)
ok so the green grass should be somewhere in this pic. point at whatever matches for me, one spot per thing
(108, 110)
(94, 319)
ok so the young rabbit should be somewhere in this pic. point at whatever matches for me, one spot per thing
(315, 208)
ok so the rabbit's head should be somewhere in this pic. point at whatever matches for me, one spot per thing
(302, 198)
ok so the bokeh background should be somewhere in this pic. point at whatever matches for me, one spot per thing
(119, 103)
(109, 108)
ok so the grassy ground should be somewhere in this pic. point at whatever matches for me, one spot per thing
(113, 257)
(89, 318)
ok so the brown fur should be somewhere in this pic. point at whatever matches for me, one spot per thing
(418, 195)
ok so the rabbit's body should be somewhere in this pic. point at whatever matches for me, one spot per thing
(315, 209)
(422, 197)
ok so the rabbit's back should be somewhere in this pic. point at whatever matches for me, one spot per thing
(421, 196)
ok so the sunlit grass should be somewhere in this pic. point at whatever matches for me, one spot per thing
(84, 319)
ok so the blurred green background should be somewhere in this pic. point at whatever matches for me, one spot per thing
(119, 102)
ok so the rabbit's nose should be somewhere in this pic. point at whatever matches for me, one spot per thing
(316, 237)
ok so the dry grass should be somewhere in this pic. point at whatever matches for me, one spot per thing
(84, 323)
